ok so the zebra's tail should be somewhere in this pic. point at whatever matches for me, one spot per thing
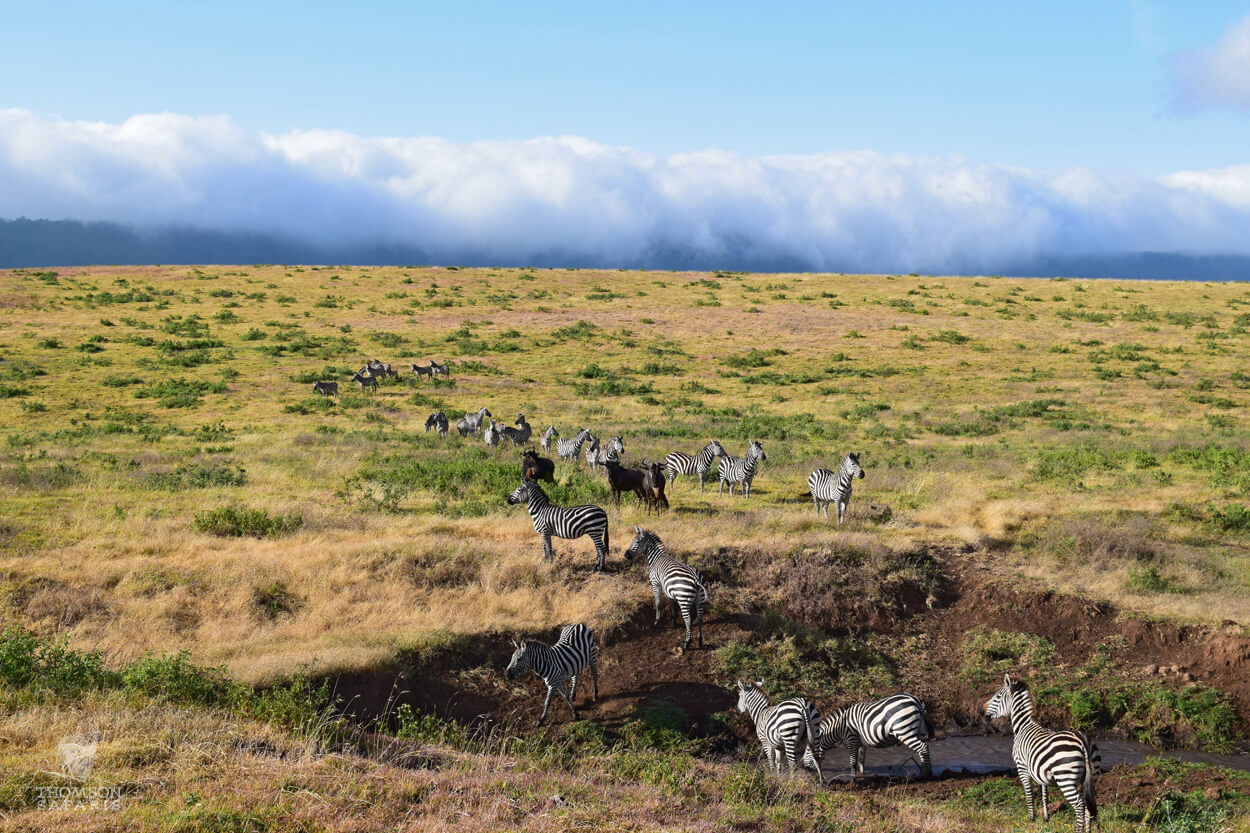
(1093, 762)
(928, 722)
(813, 740)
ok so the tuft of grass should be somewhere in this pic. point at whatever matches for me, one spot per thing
(238, 521)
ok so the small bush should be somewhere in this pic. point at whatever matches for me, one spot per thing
(240, 521)
(199, 476)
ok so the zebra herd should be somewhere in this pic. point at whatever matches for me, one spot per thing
(374, 370)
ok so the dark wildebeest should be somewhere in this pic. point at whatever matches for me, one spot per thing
(621, 479)
(653, 486)
(534, 467)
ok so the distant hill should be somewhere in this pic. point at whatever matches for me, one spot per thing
(31, 243)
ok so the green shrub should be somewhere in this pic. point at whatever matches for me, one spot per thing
(239, 521)
(199, 476)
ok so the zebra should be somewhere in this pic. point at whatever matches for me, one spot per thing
(735, 470)
(611, 453)
(548, 435)
(567, 658)
(437, 421)
(567, 448)
(438, 369)
(366, 380)
(326, 388)
(684, 586)
(788, 728)
(389, 372)
(519, 436)
(1069, 760)
(493, 434)
(592, 451)
(420, 370)
(899, 718)
(700, 464)
(827, 486)
(471, 423)
(563, 521)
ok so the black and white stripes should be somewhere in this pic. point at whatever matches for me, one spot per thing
(572, 653)
(834, 487)
(563, 521)
(785, 730)
(741, 470)
(683, 585)
(699, 464)
(1044, 756)
(899, 718)
(567, 448)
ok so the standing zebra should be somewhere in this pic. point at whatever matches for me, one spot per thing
(567, 448)
(1069, 760)
(548, 435)
(423, 370)
(700, 464)
(899, 718)
(788, 728)
(741, 469)
(684, 586)
(568, 658)
(471, 423)
(366, 380)
(437, 421)
(326, 388)
(439, 369)
(592, 450)
(563, 521)
(520, 435)
(827, 486)
(493, 434)
(610, 453)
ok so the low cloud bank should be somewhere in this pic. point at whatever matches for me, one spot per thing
(568, 200)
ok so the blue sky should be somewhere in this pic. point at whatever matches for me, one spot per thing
(922, 136)
(1042, 85)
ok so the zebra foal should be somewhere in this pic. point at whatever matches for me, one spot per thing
(563, 521)
(683, 586)
(835, 487)
(572, 653)
(1069, 760)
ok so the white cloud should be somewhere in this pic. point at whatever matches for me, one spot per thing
(575, 200)
(1217, 75)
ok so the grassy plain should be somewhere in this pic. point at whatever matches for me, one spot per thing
(1086, 436)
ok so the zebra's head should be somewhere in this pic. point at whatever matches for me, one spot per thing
(644, 542)
(484, 412)
(750, 697)
(431, 421)
(1012, 697)
(520, 659)
(523, 493)
(756, 450)
(851, 466)
(520, 419)
(617, 445)
(717, 448)
(551, 431)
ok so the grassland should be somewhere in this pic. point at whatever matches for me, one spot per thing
(170, 482)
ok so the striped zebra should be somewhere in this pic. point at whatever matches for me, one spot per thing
(520, 435)
(563, 521)
(1069, 760)
(437, 421)
(787, 729)
(899, 718)
(440, 369)
(471, 423)
(610, 453)
(834, 487)
(567, 448)
(550, 434)
(700, 464)
(568, 658)
(326, 388)
(592, 450)
(493, 434)
(684, 586)
(734, 470)
(366, 380)
(422, 370)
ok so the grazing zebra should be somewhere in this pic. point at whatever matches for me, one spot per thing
(1069, 760)
(567, 448)
(568, 658)
(700, 464)
(827, 486)
(437, 421)
(787, 729)
(471, 423)
(326, 388)
(519, 436)
(423, 371)
(604, 454)
(389, 372)
(493, 434)
(548, 435)
(899, 718)
(440, 369)
(684, 586)
(563, 521)
(366, 380)
(740, 469)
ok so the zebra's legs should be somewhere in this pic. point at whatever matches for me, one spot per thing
(655, 590)
(701, 476)
(696, 612)
(601, 550)
(721, 489)
(548, 552)
(1027, 783)
(672, 609)
(573, 693)
(552, 690)
(816, 503)
(594, 670)
(792, 756)
(1072, 792)
(921, 748)
(1046, 803)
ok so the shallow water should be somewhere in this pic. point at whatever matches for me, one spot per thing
(990, 754)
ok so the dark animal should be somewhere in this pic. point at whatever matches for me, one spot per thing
(621, 479)
(326, 388)
(534, 467)
(653, 486)
(437, 421)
